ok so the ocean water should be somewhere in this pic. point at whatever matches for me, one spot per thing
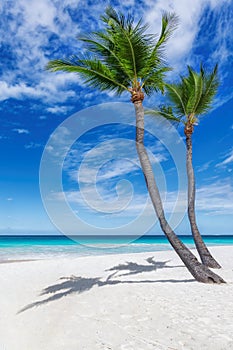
(41, 247)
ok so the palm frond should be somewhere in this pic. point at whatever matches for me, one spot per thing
(194, 90)
(210, 88)
(122, 55)
(155, 80)
(103, 48)
(176, 95)
(165, 112)
(195, 93)
(93, 72)
(169, 24)
(131, 42)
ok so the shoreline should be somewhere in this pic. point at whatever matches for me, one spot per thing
(68, 255)
(133, 301)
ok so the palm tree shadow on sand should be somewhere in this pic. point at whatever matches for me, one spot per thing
(135, 268)
(76, 284)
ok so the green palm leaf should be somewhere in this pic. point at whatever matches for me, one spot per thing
(130, 41)
(178, 98)
(210, 87)
(165, 112)
(155, 80)
(169, 24)
(123, 56)
(195, 93)
(93, 72)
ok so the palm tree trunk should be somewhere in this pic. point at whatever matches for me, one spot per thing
(200, 272)
(206, 257)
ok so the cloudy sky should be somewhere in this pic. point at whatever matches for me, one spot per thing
(90, 176)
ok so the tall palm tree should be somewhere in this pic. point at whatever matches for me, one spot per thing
(192, 97)
(123, 57)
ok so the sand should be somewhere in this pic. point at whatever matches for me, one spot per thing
(121, 302)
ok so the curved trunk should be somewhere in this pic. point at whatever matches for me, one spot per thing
(200, 272)
(206, 257)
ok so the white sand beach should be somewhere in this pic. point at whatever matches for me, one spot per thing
(120, 302)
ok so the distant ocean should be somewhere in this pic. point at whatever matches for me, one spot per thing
(42, 247)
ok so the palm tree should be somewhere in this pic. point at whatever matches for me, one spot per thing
(190, 98)
(123, 57)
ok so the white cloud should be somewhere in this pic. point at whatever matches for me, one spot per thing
(190, 15)
(128, 202)
(39, 13)
(58, 144)
(50, 89)
(108, 160)
(32, 24)
(216, 198)
(59, 109)
(90, 174)
(49, 148)
(21, 131)
(227, 160)
(188, 45)
(32, 145)
(203, 167)
(125, 202)
(15, 91)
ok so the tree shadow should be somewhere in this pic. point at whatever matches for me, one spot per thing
(77, 285)
(135, 268)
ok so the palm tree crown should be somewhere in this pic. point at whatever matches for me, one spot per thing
(193, 96)
(123, 56)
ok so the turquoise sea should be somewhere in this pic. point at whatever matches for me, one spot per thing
(40, 247)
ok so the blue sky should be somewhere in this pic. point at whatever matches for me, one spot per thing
(101, 178)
